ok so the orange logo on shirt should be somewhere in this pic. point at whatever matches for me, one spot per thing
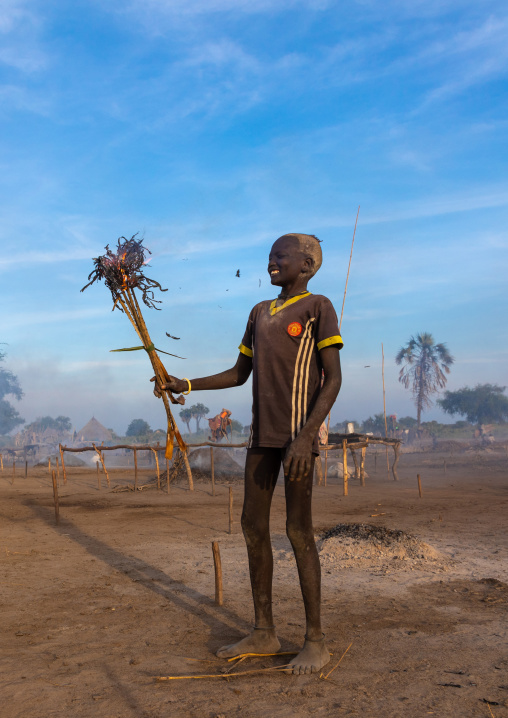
(295, 329)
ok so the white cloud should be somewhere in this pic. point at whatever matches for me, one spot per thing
(209, 7)
(20, 23)
(14, 320)
(44, 257)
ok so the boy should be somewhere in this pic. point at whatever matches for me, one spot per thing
(288, 344)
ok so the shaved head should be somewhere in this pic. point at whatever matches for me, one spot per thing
(309, 245)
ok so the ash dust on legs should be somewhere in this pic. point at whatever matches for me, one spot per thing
(311, 659)
(261, 472)
(261, 640)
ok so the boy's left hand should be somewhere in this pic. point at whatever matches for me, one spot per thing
(298, 459)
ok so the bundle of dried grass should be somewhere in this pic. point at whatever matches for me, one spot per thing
(122, 272)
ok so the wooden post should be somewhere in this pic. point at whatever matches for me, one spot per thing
(355, 461)
(101, 457)
(158, 470)
(26, 468)
(57, 469)
(419, 485)
(218, 572)
(98, 476)
(348, 268)
(49, 465)
(362, 466)
(340, 325)
(319, 470)
(188, 469)
(64, 471)
(230, 509)
(212, 470)
(396, 451)
(55, 497)
(384, 404)
(167, 474)
(135, 469)
(1, 462)
(344, 463)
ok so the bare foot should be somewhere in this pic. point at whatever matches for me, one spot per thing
(261, 640)
(313, 656)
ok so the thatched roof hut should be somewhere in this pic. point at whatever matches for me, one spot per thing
(94, 431)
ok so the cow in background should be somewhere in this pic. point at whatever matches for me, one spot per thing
(219, 426)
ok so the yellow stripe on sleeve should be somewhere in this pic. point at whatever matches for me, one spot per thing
(245, 350)
(331, 340)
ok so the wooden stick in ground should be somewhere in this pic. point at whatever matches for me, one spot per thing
(396, 451)
(230, 509)
(384, 403)
(57, 469)
(212, 471)
(158, 470)
(98, 476)
(167, 474)
(64, 471)
(362, 466)
(49, 464)
(55, 497)
(1, 462)
(355, 461)
(101, 457)
(188, 469)
(419, 485)
(218, 573)
(348, 268)
(135, 469)
(319, 470)
(343, 303)
(344, 465)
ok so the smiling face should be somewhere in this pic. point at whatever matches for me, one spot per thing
(288, 266)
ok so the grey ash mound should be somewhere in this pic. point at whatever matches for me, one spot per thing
(377, 546)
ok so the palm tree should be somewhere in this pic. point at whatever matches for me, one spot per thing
(186, 415)
(198, 411)
(425, 367)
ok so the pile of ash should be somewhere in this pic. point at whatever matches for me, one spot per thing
(369, 545)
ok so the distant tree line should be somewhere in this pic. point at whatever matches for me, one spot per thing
(9, 386)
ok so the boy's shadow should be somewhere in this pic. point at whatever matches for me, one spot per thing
(224, 624)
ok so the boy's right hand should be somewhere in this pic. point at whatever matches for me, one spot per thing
(174, 385)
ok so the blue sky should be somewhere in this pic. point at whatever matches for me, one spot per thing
(214, 126)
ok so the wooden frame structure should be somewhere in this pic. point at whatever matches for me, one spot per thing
(353, 442)
(148, 447)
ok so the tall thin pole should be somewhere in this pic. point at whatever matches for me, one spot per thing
(384, 401)
(219, 596)
(55, 497)
(349, 267)
(342, 310)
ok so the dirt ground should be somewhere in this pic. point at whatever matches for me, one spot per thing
(122, 591)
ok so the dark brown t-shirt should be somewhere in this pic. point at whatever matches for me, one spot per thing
(284, 343)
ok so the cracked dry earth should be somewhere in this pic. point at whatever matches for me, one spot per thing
(122, 591)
